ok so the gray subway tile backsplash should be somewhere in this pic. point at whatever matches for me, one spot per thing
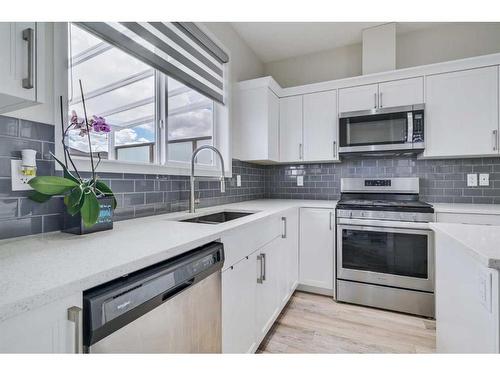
(143, 195)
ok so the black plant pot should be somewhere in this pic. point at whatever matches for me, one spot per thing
(74, 224)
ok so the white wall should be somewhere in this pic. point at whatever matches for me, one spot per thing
(244, 62)
(440, 43)
(316, 67)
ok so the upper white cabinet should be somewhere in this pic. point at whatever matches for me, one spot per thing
(256, 124)
(44, 330)
(316, 258)
(401, 92)
(385, 94)
(461, 113)
(22, 65)
(290, 121)
(358, 98)
(320, 126)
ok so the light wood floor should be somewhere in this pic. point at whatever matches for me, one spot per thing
(317, 324)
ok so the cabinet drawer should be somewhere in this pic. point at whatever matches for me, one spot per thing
(243, 241)
(462, 218)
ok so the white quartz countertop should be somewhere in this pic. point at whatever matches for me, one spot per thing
(39, 269)
(483, 241)
(467, 208)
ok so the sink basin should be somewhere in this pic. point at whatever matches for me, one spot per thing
(217, 217)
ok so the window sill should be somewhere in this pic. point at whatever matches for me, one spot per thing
(113, 166)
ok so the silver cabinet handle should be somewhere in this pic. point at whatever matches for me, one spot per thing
(29, 36)
(380, 100)
(375, 100)
(495, 139)
(301, 151)
(334, 149)
(262, 268)
(75, 316)
(283, 234)
(331, 221)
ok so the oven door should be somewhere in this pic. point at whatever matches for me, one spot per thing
(397, 257)
(379, 131)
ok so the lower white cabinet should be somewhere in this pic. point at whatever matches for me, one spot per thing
(316, 259)
(44, 330)
(256, 288)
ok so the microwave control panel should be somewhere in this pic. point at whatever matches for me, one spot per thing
(418, 126)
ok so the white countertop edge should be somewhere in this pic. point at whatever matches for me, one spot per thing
(479, 254)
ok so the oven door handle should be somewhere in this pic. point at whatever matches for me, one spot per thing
(363, 224)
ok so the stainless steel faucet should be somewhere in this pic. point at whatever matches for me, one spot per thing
(193, 157)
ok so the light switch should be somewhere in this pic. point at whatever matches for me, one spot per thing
(471, 179)
(238, 180)
(300, 180)
(484, 179)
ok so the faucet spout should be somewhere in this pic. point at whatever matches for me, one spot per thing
(192, 179)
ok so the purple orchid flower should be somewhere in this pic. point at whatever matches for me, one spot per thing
(99, 124)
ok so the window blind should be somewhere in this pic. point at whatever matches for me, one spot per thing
(179, 49)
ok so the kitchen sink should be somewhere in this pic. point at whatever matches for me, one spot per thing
(217, 217)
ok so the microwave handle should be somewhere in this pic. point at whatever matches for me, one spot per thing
(409, 127)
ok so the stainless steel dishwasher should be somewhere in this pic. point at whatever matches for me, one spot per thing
(170, 307)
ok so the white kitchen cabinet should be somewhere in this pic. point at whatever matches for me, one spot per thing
(238, 307)
(291, 144)
(467, 300)
(358, 98)
(320, 126)
(461, 113)
(290, 244)
(22, 65)
(401, 92)
(43, 330)
(316, 258)
(268, 261)
(256, 124)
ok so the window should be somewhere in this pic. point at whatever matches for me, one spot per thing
(136, 101)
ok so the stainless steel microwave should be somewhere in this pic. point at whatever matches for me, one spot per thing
(399, 129)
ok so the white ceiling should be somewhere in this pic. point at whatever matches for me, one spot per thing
(273, 41)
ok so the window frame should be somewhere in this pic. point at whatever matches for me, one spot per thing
(221, 132)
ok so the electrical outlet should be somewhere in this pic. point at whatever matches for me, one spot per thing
(300, 180)
(471, 179)
(19, 181)
(484, 179)
(238, 180)
(484, 292)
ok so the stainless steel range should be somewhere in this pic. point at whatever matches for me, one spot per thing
(385, 249)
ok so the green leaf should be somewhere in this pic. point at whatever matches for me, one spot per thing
(39, 197)
(52, 185)
(106, 190)
(74, 200)
(67, 173)
(90, 209)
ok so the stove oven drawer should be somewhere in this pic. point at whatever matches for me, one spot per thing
(389, 256)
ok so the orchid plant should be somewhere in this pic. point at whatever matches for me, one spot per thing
(81, 195)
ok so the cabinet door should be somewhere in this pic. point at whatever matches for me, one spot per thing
(358, 98)
(14, 64)
(317, 235)
(267, 263)
(291, 147)
(43, 330)
(273, 138)
(462, 113)
(238, 307)
(401, 92)
(291, 251)
(320, 126)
